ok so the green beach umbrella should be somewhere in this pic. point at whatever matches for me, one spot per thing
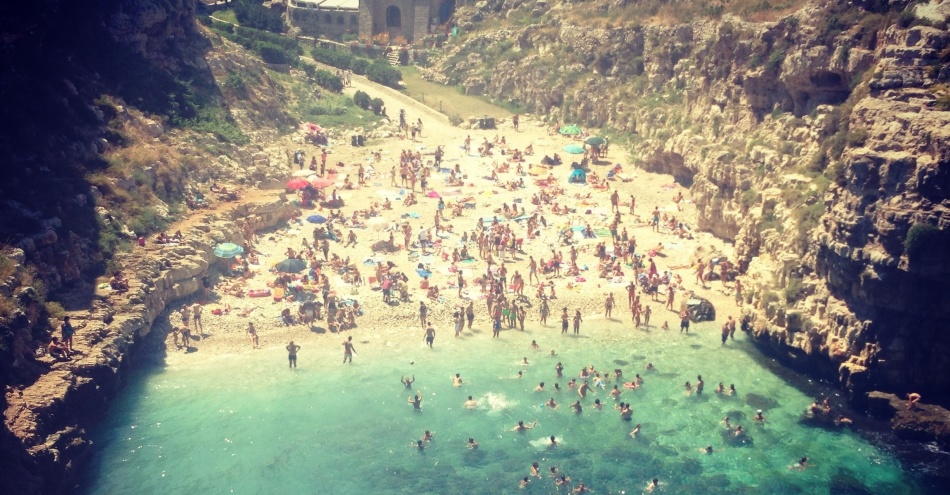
(595, 141)
(570, 130)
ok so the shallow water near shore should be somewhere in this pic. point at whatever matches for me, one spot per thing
(246, 424)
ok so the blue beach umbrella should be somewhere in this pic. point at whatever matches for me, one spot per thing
(317, 219)
(227, 250)
(574, 149)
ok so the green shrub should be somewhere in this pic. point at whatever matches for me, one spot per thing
(385, 74)
(768, 297)
(377, 105)
(362, 100)
(328, 80)
(338, 59)
(857, 138)
(360, 65)
(252, 13)
(271, 53)
(235, 83)
(920, 236)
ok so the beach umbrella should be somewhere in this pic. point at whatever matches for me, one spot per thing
(322, 182)
(433, 194)
(317, 219)
(570, 130)
(303, 173)
(291, 265)
(228, 250)
(574, 149)
(297, 183)
(595, 141)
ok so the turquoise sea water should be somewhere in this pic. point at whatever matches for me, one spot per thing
(247, 424)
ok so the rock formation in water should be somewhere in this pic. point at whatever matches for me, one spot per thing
(819, 142)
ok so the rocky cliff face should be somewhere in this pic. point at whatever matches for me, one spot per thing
(816, 142)
(44, 439)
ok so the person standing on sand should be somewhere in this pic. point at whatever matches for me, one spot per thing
(470, 313)
(545, 311)
(564, 320)
(608, 305)
(185, 313)
(196, 316)
(533, 270)
(348, 350)
(684, 321)
(252, 334)
(615, 201)
(292, 354)
(670, 295)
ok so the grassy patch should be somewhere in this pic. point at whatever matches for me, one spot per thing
(447, 99)
(226, 15)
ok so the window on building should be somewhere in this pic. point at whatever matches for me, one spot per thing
(353, 21)
(339, 20)
(328, 19)
(393, 17)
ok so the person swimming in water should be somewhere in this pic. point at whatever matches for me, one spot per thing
(535, 470)
(652, 485)
(539, 388)
(416, 401)
(552, 442)
(524, 482)
(707, 449)
(471, 403)
(576, 406)
(521, 426)
(583, 390)
(418, 445)
(598, 405)
(801, 465)
(472, 444)
(427, 436)
(457, 380)
(635, 431)
(407, 382)
(650, 367)
(550, 403)
(758, 416)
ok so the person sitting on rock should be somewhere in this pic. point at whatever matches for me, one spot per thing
(117, 283)
(57, 349)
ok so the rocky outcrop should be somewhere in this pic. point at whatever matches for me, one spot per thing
(45, 422)
(922, 422)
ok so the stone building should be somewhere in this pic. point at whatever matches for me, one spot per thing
(387, 21)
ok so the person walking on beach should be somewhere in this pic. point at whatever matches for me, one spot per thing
(430, 336)
(423, 312)
(292, 354)
(348, 349)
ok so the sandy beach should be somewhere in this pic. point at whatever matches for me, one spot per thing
(226, 333)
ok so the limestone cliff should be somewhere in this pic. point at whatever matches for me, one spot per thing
(816, 141)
